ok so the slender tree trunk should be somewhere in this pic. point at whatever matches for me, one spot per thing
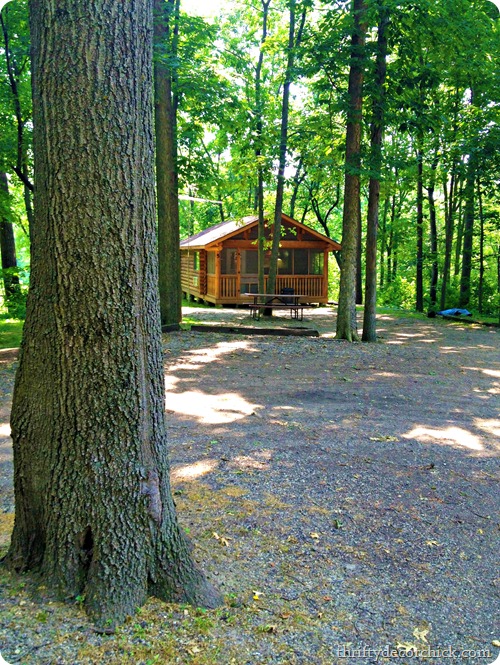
(359, 260)
(433, 236)
(481, 248)
(383, 241)
(94, 510)
(448, 240)
(298, 179)
(293, 43)
(346, 318)
(465, 276)
(377, 126)
(166, 18)
(7, 244)
(259, 111)
(420, 229)
(460, 229)
(21, 167)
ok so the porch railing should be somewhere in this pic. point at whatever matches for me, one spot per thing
(229, 287)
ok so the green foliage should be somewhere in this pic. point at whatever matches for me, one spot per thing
(400, 293)
(11, 332)
(439, 50)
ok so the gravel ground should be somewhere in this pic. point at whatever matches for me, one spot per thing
(344, 498)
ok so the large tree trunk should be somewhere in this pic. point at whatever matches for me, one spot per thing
(166, 16)
(94, 511)
(346, 318)
(7, 244)
(370, 310)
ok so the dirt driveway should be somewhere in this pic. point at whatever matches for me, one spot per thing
(343, 496)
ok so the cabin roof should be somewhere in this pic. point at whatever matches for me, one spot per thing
(224, 230)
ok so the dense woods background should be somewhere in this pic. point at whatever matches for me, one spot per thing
(435, 106)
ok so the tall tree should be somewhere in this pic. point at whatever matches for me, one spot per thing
(167, 182)
(259, 126)
(294, 39)
(94, 511)
(377, 125)
(346, 318)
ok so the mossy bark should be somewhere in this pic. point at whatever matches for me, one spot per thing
(94, 511)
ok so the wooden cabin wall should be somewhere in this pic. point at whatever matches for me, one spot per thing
(190, 278)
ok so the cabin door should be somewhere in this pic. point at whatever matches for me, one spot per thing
(249, 280)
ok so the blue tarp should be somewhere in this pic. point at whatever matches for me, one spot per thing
(455, 312)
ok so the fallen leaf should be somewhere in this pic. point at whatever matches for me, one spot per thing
(421, 634)
(407, 647)
(314, 535)
(433, 543)
(496, 643)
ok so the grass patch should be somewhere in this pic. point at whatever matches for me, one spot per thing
(11, 331)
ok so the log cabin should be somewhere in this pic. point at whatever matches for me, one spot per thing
(219, 265)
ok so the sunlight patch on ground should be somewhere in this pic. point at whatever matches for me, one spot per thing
(195, 470)
(489, 372)
(492, 427)
(448, 435)
(4, 429)
(196, 359)
(387, 375)
(258, 461)
(209, 409)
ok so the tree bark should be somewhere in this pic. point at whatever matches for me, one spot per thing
(94, 510)
(377, 126)
(167, 187)
(346, 318)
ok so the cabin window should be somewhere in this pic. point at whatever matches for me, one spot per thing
(285, 262)
(316, 260)
(211, 263)
(301, 262)
(196, 260)
(228, 262)
(249, 262)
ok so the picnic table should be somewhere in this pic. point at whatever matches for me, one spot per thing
(288, 301)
